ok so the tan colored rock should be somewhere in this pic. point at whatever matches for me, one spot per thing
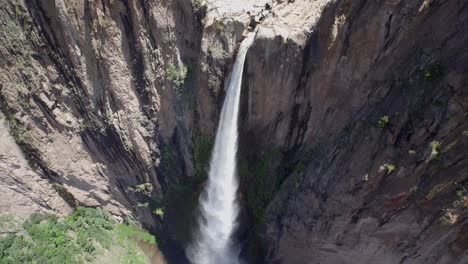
(23, 191)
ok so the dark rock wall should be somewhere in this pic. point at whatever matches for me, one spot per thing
(370, 123)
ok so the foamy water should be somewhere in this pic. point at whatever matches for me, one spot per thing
(218, 204)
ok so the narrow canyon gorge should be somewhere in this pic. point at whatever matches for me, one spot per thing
(352, 122)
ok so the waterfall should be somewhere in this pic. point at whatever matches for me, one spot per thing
(218, 205)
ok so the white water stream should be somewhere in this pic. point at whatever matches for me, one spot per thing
(218, 204)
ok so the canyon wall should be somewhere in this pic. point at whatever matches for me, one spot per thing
(86, 94)
(361, 129)
(353, 120)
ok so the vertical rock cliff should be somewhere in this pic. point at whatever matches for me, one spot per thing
(356, 133)
(353, 131)
(94, 95)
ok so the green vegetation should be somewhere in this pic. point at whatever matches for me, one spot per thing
(189, 94)
(412, 152)
(365, 178)
(383, 121)
(90, 123)
(180, 199)
(178, 207)
(111, 117)
(202, 154)
(462, 192)
(159, 212)
(262, 188)
(127, 235)
(131, 231)
(133, 255)
(462, 189)
(142, 205)
(48, 240)
(389, 167)
(219, 25)
(19, 132)
(18, 36)
(144, 188)
(168, 158)
(167, 154)
(16, 29)
(210, 50)
(105, 22)
(176, 75)
(79, 238)
(8, 223)
(198, 4)
(298, 173)
(435, 146)
(17, 129)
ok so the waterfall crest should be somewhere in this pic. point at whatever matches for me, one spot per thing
(218, 205)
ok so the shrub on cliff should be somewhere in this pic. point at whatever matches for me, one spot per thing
(176, 74)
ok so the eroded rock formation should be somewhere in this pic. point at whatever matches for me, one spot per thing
(354, 126)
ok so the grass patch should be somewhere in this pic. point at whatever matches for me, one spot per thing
(131, 231)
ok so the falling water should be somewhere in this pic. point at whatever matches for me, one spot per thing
(218, 205)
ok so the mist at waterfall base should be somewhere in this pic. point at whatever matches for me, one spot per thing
(218, 203)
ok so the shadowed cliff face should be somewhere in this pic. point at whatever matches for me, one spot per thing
(362, 130)
(353, 120)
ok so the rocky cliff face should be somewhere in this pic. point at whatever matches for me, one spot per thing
(364, 126)
(354, 120)
(85, 92)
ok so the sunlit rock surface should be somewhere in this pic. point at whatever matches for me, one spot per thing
(353, 128)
